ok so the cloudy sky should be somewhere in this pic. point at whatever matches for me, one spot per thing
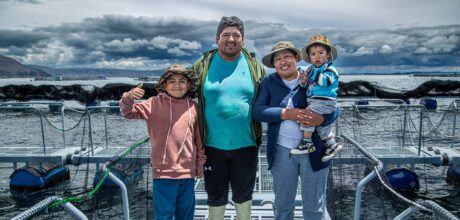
(370, 35)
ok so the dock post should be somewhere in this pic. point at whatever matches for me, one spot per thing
(404, 127)
(454, 126)
(105, 126)
(43, 132)
(90, 132)
(63, 127)
(420, 131)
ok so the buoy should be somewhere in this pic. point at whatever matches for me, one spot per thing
(55, 107)
(129, 175)
(453, 173)
(114, 104)
(36, 177)
(93, 103)
(403, 180)
(362, 104)
(429, 103)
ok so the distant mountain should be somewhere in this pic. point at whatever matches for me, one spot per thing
(11, 68)
(95, 72)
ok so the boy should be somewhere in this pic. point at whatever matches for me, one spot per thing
(177, 154)
(322, 83)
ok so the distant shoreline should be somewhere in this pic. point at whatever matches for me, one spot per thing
(409, 74)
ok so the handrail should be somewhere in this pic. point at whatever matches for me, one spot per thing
(124, 191)
(27, 105)
(116, 180)
(88, 110)
(24, 107)
(434, 207)
(367, 179)
(44, 204)
(378, 167)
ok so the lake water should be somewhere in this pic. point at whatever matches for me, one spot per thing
(16, 130)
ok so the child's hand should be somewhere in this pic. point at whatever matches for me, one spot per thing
(303, 75)
(137, 92)
(199, 171)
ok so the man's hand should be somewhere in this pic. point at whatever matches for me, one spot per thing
(137, 92)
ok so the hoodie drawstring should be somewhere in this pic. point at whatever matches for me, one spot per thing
(188, 128)
(170, 126)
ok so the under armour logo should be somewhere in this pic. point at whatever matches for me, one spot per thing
(209, 168)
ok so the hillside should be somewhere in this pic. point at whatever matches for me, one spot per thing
(11, 68)
(95, 72)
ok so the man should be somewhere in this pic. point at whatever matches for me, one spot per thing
(229, 80)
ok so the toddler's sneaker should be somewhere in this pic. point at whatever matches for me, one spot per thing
(304, 149)
(331, 151)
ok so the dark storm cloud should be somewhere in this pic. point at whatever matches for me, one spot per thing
(150, 42)
(24, 1)
(21, 38)
(410, 46)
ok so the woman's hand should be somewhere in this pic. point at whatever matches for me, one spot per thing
(137, 92)
(308, 118)
(305, 117)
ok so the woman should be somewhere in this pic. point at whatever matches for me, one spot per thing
(279, 102)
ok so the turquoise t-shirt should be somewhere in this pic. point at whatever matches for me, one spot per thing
(228, 91)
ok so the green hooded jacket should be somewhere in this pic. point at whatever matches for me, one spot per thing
(201, 67)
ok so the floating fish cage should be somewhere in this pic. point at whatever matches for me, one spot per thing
(38, 176)
(127, 174)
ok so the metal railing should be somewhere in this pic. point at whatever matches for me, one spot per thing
(43, 205)
(104, 110)
(426, 205)
(31, 106)
(400, 105)
(434, 207)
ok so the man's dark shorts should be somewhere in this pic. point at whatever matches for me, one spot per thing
(237, 167)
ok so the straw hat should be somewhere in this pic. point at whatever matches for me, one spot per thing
(179, 69)
(267, 60)
(318, 39)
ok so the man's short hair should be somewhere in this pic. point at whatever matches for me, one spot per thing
(232, 21)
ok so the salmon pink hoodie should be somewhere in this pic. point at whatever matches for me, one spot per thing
(172, 125)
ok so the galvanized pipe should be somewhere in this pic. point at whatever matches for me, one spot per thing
(105, 128)
(404, 128)
(420, 132)
(433, 206)
(63, 127)
(44, 205)
(43, 133)
(90, 131)
(124, 193)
